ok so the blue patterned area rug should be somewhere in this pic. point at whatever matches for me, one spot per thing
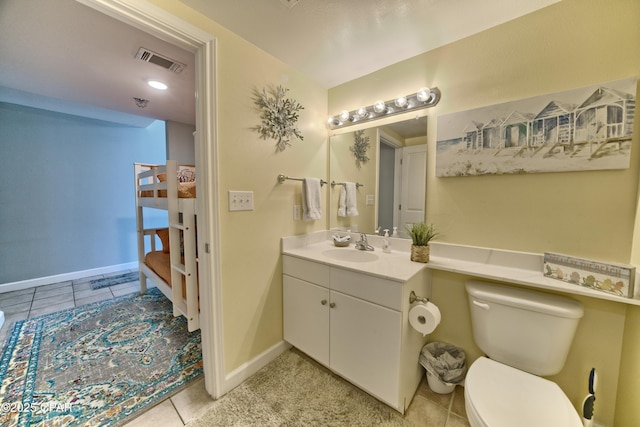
(96, 365)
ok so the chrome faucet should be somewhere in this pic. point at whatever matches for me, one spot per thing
(363, 244)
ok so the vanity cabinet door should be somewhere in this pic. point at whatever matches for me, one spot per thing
(366, 345)
(306, 317)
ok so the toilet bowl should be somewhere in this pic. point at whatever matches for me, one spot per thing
(525, 335)
(497, 395)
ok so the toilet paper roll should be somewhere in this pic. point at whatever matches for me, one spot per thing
(424, 317)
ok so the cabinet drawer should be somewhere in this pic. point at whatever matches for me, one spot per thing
(306, 270)
(369, 288)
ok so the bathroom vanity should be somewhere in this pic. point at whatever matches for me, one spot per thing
(348, 310)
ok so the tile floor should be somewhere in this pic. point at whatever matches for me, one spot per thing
(428, 409)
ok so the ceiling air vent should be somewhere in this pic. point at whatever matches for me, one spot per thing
(155, 58)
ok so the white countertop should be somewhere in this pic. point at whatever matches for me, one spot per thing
(520, 268)
(319, 247)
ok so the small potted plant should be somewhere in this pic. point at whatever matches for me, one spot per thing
(421, 234)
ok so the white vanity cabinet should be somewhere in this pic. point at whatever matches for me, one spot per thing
(355, 324)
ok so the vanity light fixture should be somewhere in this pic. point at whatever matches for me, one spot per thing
(423, 98)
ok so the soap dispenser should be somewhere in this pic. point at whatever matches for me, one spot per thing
(386, 246)
(395, 232)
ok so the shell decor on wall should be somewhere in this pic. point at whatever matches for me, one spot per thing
(360, 146)
(279, 116)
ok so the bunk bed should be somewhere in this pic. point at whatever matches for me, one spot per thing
(173, 268)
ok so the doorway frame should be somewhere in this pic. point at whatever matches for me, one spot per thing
(160, 23)
(391, 141)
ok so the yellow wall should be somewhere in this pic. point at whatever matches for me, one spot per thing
(251, 271)
(343, 168)
(570, 44)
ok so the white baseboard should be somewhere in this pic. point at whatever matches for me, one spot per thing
(32, 283)
(242, 373)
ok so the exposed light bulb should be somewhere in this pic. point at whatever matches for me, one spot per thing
(344, 115)
(379, 107)
(361, 112)
(424, 94)
(401, 101)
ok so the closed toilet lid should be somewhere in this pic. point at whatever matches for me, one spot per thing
(502, 396)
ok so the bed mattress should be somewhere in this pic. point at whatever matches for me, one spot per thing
(186, 190)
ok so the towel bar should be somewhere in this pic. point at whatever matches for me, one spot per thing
(282, 178)
(333, 184)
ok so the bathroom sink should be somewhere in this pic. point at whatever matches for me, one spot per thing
(351, 255)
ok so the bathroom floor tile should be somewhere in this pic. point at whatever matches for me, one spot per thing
(458, 406)
(52, 301)
(443, 400)
(40, 293)
(426, 413)
(457, 421)
(48, 309)
(192, 401)
(163, 414)
(8, 301)
(16, 308)
(86, 293)
(12, 294)
(93, 298)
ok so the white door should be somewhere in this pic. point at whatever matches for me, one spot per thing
(413, 185)
(365, 345)
(306, 317)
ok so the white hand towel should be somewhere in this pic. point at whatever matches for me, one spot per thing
(351, 198)
(311, 199)
(342, 203)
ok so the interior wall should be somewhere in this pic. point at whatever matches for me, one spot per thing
(180, 142)
(68, 192)
(570, 44)
(251, 271)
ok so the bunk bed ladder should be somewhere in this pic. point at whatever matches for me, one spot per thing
(183, 226)
(140, 228)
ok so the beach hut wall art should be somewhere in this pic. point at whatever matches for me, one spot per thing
(589, 128)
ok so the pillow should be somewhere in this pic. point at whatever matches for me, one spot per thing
(186, 174)
(162, 177)
(163, 234)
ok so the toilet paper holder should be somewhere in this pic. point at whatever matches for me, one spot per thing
(413, 298)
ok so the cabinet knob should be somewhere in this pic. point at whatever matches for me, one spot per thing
(333, 304)
(323, 302)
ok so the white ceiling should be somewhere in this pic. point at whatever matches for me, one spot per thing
(335, 41)
(65, 56)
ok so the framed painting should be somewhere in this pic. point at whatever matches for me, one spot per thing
(588, 128)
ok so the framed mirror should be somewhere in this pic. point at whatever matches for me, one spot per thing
(392, 180)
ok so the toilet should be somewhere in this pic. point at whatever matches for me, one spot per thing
(525, 335)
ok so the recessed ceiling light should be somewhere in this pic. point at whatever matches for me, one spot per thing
(157, 85)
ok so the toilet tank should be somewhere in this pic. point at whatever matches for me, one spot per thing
(528, 330)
